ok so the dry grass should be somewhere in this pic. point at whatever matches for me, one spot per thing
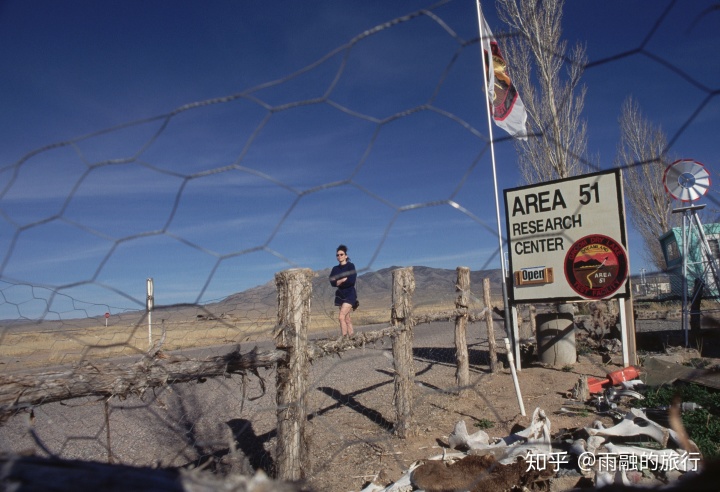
(53, 342)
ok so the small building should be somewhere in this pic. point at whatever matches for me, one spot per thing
(653, 285)
(697, 263)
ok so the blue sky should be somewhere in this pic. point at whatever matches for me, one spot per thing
(211, 144)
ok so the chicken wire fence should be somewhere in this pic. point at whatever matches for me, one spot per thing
(59, 318)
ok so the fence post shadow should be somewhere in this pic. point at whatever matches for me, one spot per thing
(349, 400)
(251, 445)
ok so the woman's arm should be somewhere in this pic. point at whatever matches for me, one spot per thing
(333, 277)
(351, 275)
(343, 276)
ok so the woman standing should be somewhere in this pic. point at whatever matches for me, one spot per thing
(343, 277)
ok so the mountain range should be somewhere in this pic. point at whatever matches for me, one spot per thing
(433, 286)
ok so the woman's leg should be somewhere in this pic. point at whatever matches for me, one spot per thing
(346, 326)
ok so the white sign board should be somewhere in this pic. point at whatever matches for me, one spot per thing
(567, 239)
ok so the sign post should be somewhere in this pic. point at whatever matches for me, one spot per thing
(149, 304)
(567, 240)
(107, 315)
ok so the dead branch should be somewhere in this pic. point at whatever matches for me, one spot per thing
(108, 379)
(324, 347)
(472, 317)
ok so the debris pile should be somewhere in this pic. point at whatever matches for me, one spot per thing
(484, 465)
(644, 448)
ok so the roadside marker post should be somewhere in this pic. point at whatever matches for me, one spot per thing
(150, 303)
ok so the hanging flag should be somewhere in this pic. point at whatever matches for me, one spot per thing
(508, 110)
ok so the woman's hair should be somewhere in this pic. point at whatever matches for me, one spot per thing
(342, 248)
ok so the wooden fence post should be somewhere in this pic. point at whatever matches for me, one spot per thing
(490, 326)
(462, 374)
(294, 290)
(401, 317)
(532, 312)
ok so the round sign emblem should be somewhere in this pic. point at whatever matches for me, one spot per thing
(596, 266)
(107, 315)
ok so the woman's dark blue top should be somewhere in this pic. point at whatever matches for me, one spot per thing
(345, 292)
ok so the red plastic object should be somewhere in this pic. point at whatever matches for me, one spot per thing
(596, 385)
(627, 374)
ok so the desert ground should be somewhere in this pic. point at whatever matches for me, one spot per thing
(228, 424)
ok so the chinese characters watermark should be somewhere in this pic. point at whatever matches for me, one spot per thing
(611, 462)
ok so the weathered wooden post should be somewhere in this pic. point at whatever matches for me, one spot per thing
(401, 318)
(490, 326)
(462, 374)
(532, 312)
(294, 290)
(149, 306)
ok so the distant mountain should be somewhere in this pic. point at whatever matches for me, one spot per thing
(433, 286)
(592, 263)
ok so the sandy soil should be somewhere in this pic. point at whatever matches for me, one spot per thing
(351, 415)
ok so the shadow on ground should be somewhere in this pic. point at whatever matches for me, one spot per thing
(706, 341)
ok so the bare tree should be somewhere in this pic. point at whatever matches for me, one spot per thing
(641, 153)
(554, 98)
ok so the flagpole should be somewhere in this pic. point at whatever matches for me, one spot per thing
(506, 304)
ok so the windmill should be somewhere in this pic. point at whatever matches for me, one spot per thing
(687, 181)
